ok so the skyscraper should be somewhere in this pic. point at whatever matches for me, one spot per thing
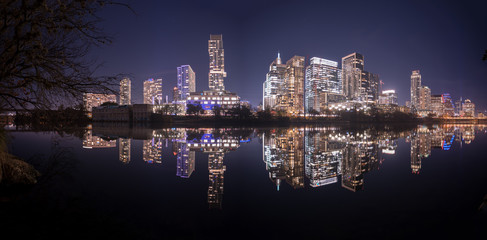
(273, 89)
(424, 100)
(217, 63)
(352, 67)
(294, 84)
(415, 89)
(153, 91)
(186, 81)
(125, 91)
(322, 77)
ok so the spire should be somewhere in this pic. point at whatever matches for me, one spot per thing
(278, 60)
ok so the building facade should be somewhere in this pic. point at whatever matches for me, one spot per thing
(424, 103)
(273, 89)
(352, 68)
(468, 108)
(186, 82)
(91, 100)
(388, 97)
(415, 89)
(294, 84)
(322, 76)
(153, 91)
(125, 91)
(217, 63)
(437, 106)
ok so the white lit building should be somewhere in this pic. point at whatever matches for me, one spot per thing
(153, 91)
(125, 91)
(91, 100)
(186, 82)
(322, 77)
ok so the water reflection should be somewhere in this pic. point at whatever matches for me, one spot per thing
(298, 157)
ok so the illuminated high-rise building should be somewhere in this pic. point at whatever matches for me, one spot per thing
(323, 77)
(468, 109)
(91, 100)
(125, 91)
(352, 68)
(217, 63)
(273, 89)
(186, 82)
(388, 97)
(415, 89)
(369, 87)
(294, 84)
(436, 105)
(424, 100)
(153, 91)
(449, 108)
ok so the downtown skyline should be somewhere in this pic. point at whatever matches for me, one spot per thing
(448, 65)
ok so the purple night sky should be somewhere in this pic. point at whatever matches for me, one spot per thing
(444, 40)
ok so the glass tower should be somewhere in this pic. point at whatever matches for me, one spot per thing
(217, 63)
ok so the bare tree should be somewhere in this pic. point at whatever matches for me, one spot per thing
(43, 52)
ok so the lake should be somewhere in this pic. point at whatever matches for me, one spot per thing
(332, 182)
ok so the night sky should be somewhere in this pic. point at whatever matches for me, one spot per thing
(444, 40)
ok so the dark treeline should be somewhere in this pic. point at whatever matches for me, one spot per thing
(64, 120)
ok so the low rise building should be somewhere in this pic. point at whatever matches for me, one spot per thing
(112, 113)
(209, 99)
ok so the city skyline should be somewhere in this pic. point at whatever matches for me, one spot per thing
(447, 66)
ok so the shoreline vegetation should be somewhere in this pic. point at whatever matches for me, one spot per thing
(73, 119)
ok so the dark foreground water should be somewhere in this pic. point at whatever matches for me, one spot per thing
(281, 183)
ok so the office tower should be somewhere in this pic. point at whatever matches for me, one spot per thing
(424, 99)
(388, 97)
(458, 106)
(468, 109)
(370, 86)
(352, 67)
(437, 105)
(294, 84)
(125, 91)
(186, 82)
(175, 95)
(415, 89)
(91, 100)
(217, 63)
(448, 107)
(322, 78)
(153, 91)
(124, 150)
(273, 89)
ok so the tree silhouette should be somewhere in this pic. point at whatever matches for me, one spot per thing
(43, 52)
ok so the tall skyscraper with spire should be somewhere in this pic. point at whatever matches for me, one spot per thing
(217, 63)
(274, 84)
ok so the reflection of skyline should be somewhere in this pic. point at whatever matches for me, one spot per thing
(329, 153)
(124, 150)
(298, 157)
(92, 141)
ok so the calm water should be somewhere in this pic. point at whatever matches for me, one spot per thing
(279, 183)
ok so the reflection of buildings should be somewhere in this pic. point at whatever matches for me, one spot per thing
(216, 144)
(185, 160)
(152, 150)
(124, 150)
(285, 159)
(92, 141)
(326, 155)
